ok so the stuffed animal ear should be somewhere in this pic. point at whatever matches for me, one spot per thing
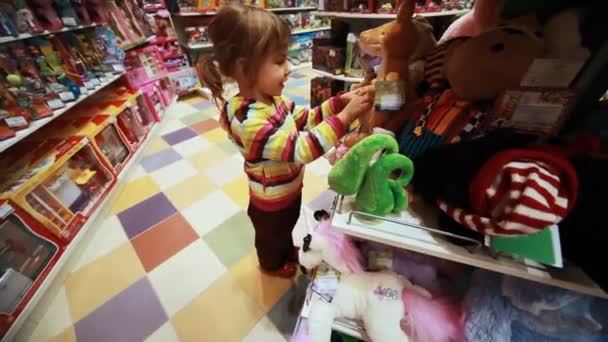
(346, 177)
(406, 11)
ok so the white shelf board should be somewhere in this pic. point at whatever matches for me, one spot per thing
(339, 77)
(389, 233)
(92, 221)
(36, 125)
(383, 16)
(44, 33)
(292, 9)
(198, 46)
(324, 28)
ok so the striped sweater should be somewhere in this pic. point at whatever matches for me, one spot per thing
(276, 141)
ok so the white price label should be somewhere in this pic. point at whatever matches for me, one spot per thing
(84, 91)
(551, 73)
(16, 121)
(118, 67)
(6, 210)
(55, 103)
(69, 21)
(67, 96)
(109, 74)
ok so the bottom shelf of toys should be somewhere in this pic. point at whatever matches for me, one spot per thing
(45, 251)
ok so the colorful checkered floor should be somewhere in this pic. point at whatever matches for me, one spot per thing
(173, 260)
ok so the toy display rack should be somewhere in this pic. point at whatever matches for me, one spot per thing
(397, 230)
(208, 45)
(44, 33)
(339, 77)
(93, 220)
(384, 16)
(133, 45)
(276, 10)
(36, 125)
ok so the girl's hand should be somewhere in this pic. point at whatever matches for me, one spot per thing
(356, 107)
(361, 91)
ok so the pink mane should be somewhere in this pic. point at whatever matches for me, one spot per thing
(348, 253)
(432, 320)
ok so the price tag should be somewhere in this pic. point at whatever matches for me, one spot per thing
(109, 74)
(118, 67)
(551, 73)
(66, 96)
(55, 103)
(95, 82)
(84, 91)
(16, 121)
(69, 21)
(6, 210)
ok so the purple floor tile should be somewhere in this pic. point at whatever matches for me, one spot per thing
(203, 105)
(159, 159)
(146, 214)
(297, 75)
(132, 315)
(180, 135)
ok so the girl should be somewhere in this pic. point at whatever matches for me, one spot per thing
(275, 137)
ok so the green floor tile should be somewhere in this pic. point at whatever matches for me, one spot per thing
(232, 240)
(193, 118)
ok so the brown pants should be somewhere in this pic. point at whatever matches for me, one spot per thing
(273, 240)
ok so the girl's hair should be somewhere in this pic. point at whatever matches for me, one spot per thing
(240, 32)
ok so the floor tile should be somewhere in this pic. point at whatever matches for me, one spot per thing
(299, 100)
(232, 240)
(216, 135)
(104, 239)
(181, 109)
(159, 159)
(55, 320)
(204, 105)
(192, 146)
(166, 333)
(284, 314)
(319, 167)
(68, 335)
(206, 214)
(229, 147)
(193, 118)
(192, 100)
(157, 144)
(135, 192)
(180, 135)
(207, 158)
(171, 125)
(238, 190)
(265, 289)
(205, 126)
(145, 214)
(183, 277)
(313, 186)
(161, 242)
(102, 279)
(296, 75)
(190, 190)
(264, 331)
(136, 172)
(172, 174)
(205, 317)
(226, 170)
(132, 315)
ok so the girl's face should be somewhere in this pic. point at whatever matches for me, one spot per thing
(273, 74)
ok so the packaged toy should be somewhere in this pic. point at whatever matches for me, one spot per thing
(25, 20)
(67, 12)
(7, 27)
(81, 12)
(46, 14)
(96, 11)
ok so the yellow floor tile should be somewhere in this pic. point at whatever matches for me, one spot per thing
(238, 191)
(156, 144)
(96, 283)
(68, 335)
(183, 194)
(194, 99)
(313, 186)
(224, 312)
(216, 135)
(135, 192)
(266, 290)
(207, 158)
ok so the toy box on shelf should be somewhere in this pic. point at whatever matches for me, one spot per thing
(134, 122)
(154, 98)
(59, 183)
(322, 88)
(328, 57)
(184, 81)
(101, 131)
(28, 253)
(143, 66)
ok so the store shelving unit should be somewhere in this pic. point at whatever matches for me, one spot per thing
(383, 16)
(92, 221)
(339, 77)
(410, 230)
(44, 33)
(36, 125)
(325, 28)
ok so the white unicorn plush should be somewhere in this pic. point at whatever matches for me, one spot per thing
(391, 307)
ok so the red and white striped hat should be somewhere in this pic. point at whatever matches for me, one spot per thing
(518, 192)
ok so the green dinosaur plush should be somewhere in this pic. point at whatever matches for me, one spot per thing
(379, 191)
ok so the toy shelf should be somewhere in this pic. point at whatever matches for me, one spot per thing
(198, 46)
(384, 16)
(36, 125)
(325, 28)
(92, 221)
(405, 231)
(139, 43)
(339, 77)
(276, 10)
(44, 33)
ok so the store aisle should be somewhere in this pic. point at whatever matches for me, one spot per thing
(173, 259)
